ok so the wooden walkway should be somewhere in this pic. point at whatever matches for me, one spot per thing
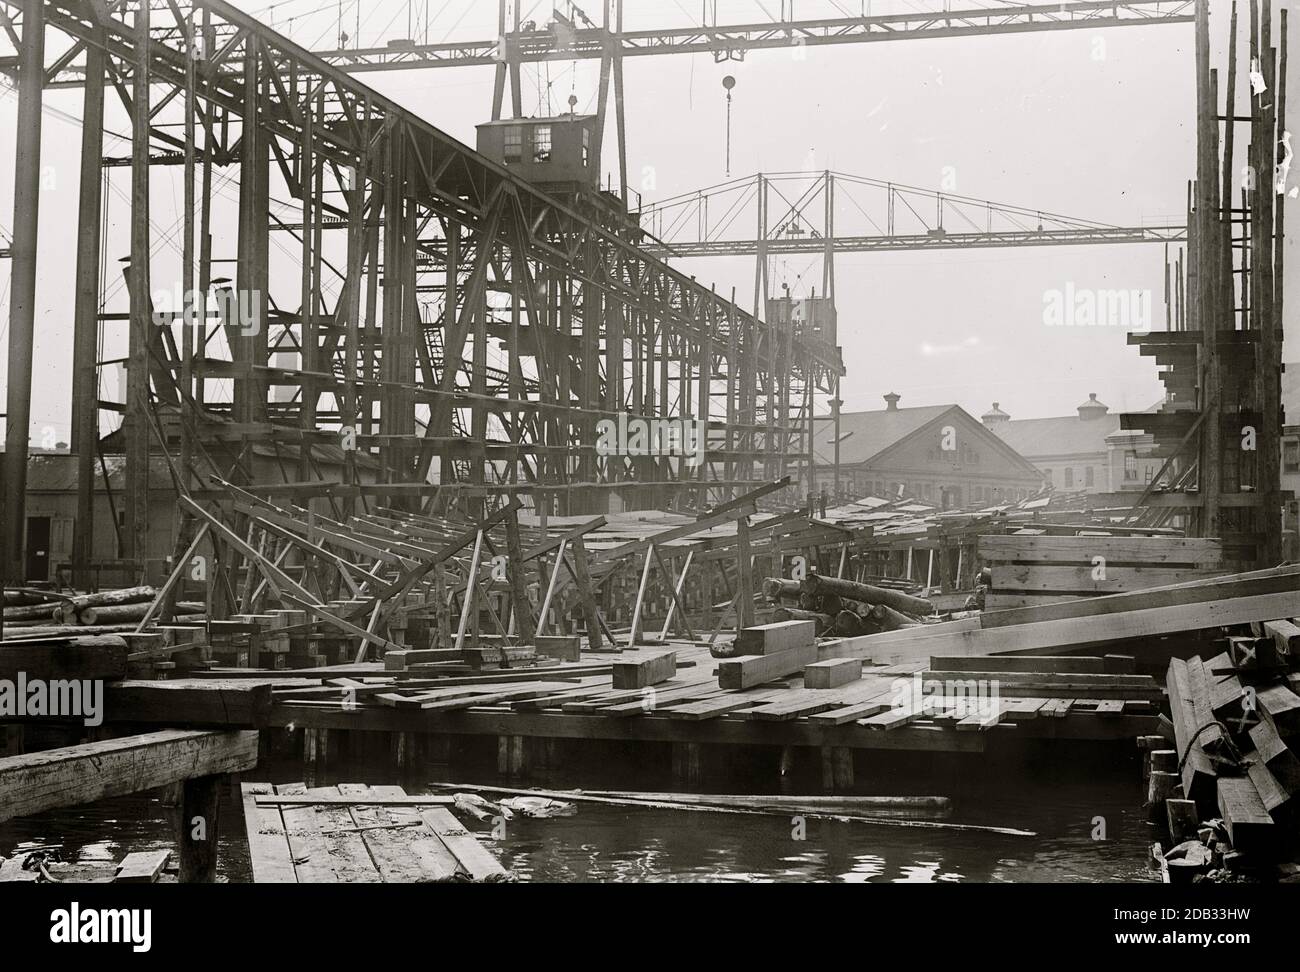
(358, 834)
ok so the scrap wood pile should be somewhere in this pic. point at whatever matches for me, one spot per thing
(1226, 789)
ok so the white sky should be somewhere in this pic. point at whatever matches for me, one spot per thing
(1095, 124)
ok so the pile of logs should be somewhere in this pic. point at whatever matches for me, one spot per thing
(843, 607)
(1227, 789)
(52, 613)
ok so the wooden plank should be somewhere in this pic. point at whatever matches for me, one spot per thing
(1285, 635)
(1116, 550)
(1073, 664)
(311, 857)
(832, 673)
(750, 670)
(634, 671)
(768, 639)
(141, 867)
(1250, 827)
(1088, 580)
(74, 775)
(475, 860)
(268, 845)
(347, 850)
(403, 852)
(855, 712)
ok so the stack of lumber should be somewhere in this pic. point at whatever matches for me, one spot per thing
(1236, 729)
(767, 652)
(1028, 568)
(1141, 623)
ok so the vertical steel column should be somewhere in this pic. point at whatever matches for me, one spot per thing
(22, 299)
(85, 341)
(136, 421)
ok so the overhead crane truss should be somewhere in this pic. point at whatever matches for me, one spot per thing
(388, 328)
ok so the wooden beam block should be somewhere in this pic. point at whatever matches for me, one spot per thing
(832, 674)
(1280, 759)
(206, 702)
(1249, 825)
(750, 670)
(99, 657)
(1285, 635)
(74, 775)
(1280, 707)
(648, 668)
(767, 639)
(564, 647)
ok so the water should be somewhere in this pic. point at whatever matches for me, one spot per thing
(1064, 802)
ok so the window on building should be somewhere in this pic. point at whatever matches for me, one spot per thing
(1150, 471)
(542, 143)
(514, 144)
(1069, 478)
(1291, 455)
(1047, 475)
(1130, 467)
(1089, 477)
(586, 147)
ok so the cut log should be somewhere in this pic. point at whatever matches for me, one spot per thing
(867, 594)
(750, 670)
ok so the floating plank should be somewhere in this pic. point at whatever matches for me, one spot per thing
(1249, 825)
(832, 673)
(750, 670)
(141, 867)
(476, 862)
(768, 639)
(402, 854)
(646, 668)
(74, 775)
(348, 856)
(268, 844)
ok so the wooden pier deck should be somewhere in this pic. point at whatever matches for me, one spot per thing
(1048, 698)
(357, 834)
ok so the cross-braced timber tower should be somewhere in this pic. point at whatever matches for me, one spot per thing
(454, 323)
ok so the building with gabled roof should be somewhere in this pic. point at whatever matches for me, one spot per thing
(936, 454)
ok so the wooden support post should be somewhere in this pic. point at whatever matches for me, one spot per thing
(686, 763)
(199, 829)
